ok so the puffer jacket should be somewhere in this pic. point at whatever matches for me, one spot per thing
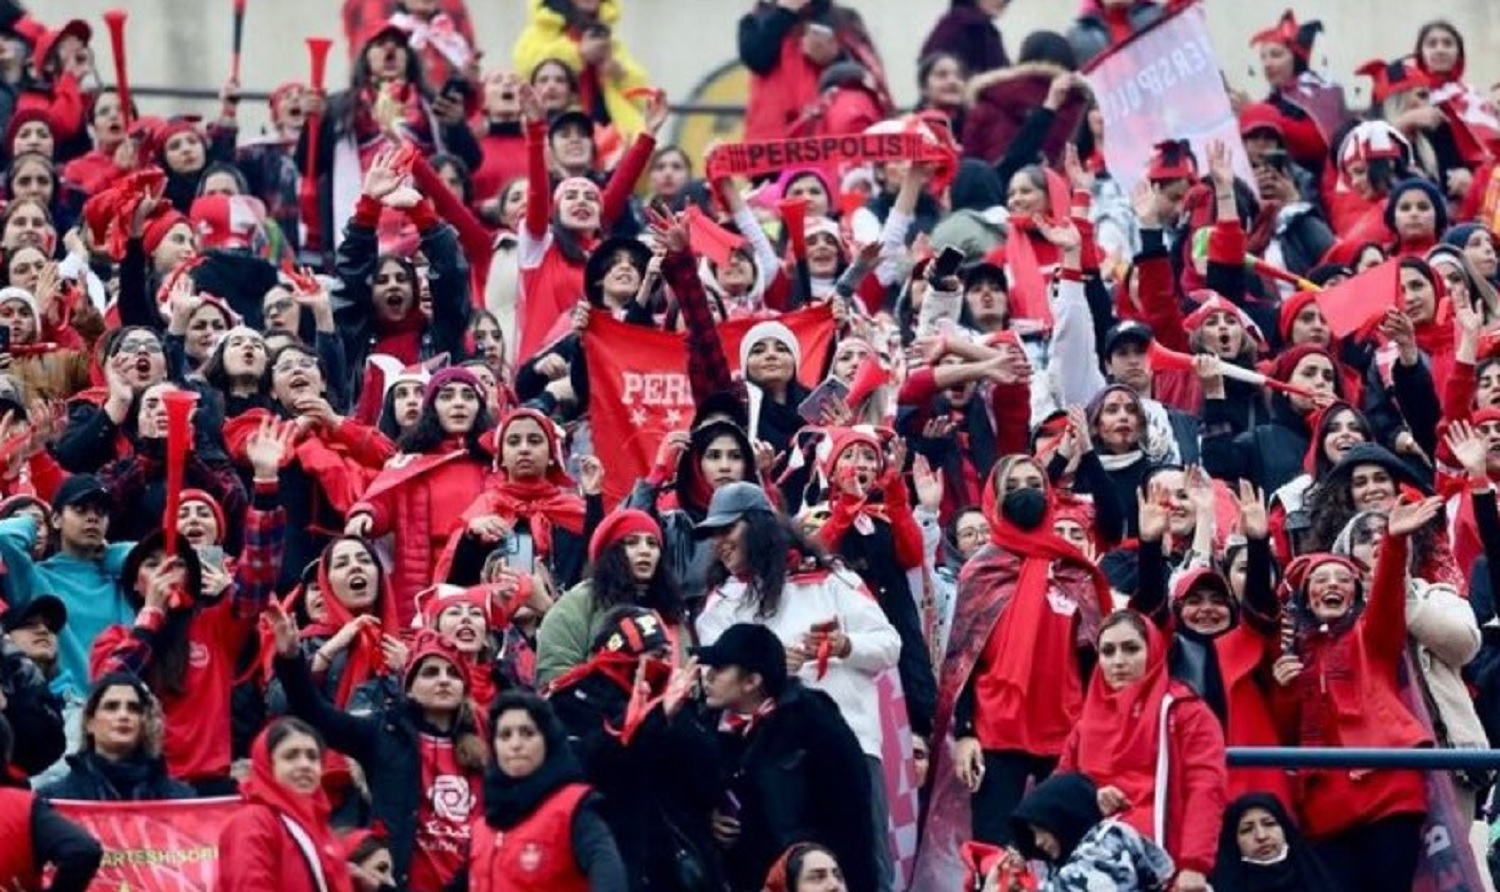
(421, 500)
(1446, 637)
(569, 628)
(548, 35)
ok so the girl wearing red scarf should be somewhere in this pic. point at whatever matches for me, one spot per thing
(528, 508)
(352, 618)
(1019, 655)
(468, 619)
(418, 497)
(1342, 686)
(1417, 213)
(281, 837)
(329, 467)
(1137, 716)
(1424, 299)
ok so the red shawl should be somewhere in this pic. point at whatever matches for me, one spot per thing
(542, 503)
(366, 658)
(310, 813)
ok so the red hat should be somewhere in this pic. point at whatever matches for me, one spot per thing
(1172, 160)
(48, 42)
(429, 643)
(431, 602)
(226, 221)
(1286, 361)
(1261, 116)
(1393, 78)
(1290, 307)
(841, 440)
(1297, 38)
(30, 107)
(199, 495)
(1210, 302)
(179, 124)
(160, 224)
(1301, 568)
(618, 525)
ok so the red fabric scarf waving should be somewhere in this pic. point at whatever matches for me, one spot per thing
(541, 503)
(366, 657)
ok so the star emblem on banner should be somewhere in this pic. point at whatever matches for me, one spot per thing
(638, 417)
(674, 418)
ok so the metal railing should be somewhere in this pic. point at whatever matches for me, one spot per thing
(1353, 757)
(205, 94)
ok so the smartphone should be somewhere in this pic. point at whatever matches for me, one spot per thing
(820, 29)
(1278, 160)
(832, 390)
(730, 806)
(946, 264)
(4, 339)
(517, 552)
(211, 555)
(825, 627)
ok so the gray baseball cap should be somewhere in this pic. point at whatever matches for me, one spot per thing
(730, 503)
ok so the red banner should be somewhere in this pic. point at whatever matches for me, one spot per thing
(639, 390)
(168, 846)
(1164, 83)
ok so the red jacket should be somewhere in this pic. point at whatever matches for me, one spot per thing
(421, 499)
(1160, 310)
(257, 852)
(17, 862)
(1241, 652)
(504, 160)
(1000, 102)
(1195, 782)
(1352, 679)
(535, 855)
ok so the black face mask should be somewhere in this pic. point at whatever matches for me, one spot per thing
(1025, 507)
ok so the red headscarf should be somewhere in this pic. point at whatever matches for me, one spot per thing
(543, 503)
(310, 813)
(366, 658)
(1119, 733)
(1434, 336)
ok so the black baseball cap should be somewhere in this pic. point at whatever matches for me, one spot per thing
(48, 608)
(751, 647)
(568, 117)
(985, 271)
(82, 489)
(1129, 331)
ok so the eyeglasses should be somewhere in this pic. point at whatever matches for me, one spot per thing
(300, 364)
(140, 345)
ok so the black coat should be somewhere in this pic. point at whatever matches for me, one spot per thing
(383, 741)
(1269, 455)
(86, 781)
(34, 713)
(799, 776)
(647, 797)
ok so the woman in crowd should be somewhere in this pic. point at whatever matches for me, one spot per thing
(120, 758)
(281, 838)
(425, 742)
(1261, 850)
(536, 801)
(626, 568)
(806, 867)
(418, 498)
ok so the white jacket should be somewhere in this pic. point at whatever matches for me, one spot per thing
(1442, 624)
(807, 600)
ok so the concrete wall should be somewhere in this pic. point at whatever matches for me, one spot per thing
(682, 42)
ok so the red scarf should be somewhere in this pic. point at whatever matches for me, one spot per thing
(1119, 731)
(309, 813)
(621, 667)
(366, 657)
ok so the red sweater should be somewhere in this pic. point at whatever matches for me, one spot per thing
(257, 852)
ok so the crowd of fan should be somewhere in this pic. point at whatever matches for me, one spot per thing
(1105, 484)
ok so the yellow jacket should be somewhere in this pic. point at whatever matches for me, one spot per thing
(547, 36)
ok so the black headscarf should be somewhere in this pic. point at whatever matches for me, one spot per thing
(1065, 805)
(508, 800)
(1299, 871)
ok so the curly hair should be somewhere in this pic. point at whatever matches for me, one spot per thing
(768, 539)
(1331, 507)
(614, 585)
(153, 722)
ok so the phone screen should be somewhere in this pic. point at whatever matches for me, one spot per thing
(518, 552)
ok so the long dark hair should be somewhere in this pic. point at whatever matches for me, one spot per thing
(169, 664)
(614, 585)
(428, 433)
(769, 542)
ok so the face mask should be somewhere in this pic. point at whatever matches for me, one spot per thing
(1025, 508)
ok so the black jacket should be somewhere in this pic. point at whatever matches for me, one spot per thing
(652, 806)
(1268, 455)
(383, 741)
(59, 843)
(34, 713)
(86, 781)
(799, 776)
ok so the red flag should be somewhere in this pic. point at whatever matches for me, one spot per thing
(1356, 302)
(170, 845)
(639, 389)
(708, 238)
(813, 327)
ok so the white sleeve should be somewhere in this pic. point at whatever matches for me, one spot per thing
(874, 644)
(714, 619)
(893, 247)
(1072, 361)
(530, 252)
(76, 269)
(767, 262)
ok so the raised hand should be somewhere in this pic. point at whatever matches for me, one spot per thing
(1471, 450)
(382, 178)
(1220, 164)
(1254, 521)
(531, 105)
(929, 483)
(1079, 176)
(1408, 517)
(1151, 513)
(590, 475)
(283, 630)
(268, 446)
(1144, 201)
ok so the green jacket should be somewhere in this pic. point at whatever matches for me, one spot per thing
(568, 631)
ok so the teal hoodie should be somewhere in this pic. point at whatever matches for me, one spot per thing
(90, 589)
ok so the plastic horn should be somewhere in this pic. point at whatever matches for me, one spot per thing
(867, 378)
(238, 40)
(1163, 359)
(317, 53)
(114, 19)
(1255, 264)
(179, 405)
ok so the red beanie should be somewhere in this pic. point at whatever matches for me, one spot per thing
(431, 602)
(1290, 307)
(199, 495)
(1286, 361)
(841, 440)
(617, 526)
(226, 221)
(426, 644)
